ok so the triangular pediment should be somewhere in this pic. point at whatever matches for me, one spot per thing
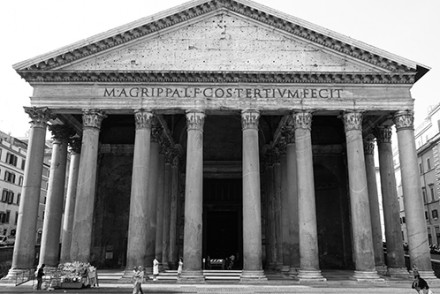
(219, 36)
(223, 41)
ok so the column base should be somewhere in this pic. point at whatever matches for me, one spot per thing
(428, 275)
(17, 274)
(191, 277)
(398, 273)
(310, 276)
(364, 276)
(381, 269)
(253, 276)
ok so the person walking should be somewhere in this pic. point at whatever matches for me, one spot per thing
(155, 269)
(40, 274)
(419, 284)
(138, 279)
(180, 267)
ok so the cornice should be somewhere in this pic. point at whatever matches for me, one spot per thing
(266, 16)
(37, 76)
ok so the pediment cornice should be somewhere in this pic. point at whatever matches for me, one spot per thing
(215, 77)
(241, 7)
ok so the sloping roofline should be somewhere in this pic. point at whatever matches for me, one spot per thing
(181, 13)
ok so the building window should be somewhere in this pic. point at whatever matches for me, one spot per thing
(18, 198)
(11, 197)
(431, 189)
(5, 194)
(424, 195)
(403, 219)
(2, 217)
(434, 214)
(20, 181)
(426, 215)
(16, 220)
(421, 168)
(8, 215)
(11, 159)
(9, 177)
(428, 163)
(23, 163)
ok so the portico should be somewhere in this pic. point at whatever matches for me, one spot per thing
(267, 107)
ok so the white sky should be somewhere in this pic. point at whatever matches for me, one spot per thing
(408, 28)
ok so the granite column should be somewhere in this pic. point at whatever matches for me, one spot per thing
(390, 203)
(24, 249)
(414, 211)
(252, 248)
(138, 218)
(363, 255)
(85, 197)
(193, 228)
(50, 241)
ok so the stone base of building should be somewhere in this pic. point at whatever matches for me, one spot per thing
(364, 276)
(428, 275)
(398, 273)
(310, 276)
(190, 277)
(293, 272)
(252, 276)
(285, 270)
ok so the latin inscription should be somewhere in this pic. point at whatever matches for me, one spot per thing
(220, 92)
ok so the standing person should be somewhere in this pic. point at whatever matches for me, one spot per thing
(138, 278)
(155, 269)
(419, 284)
(179, 269)
(40, 274)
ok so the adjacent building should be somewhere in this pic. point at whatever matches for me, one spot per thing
(13, 152)
(259, 125)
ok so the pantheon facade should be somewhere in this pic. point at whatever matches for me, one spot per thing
(219, 128)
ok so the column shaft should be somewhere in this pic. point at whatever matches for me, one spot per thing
(308, 242)
(166, 211)
(85, 199)
(193, 228)
(252, 248)
(360, 208)
(138, 218)
(172, 256)
(277, 213)
(50, 241)
(285, 212)
(376, 227)
(69, 209)
(413, 200)
(24, 248)
(391, 207)
(159, 205)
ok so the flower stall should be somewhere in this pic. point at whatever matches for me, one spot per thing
(75, 275)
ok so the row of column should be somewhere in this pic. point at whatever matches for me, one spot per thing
(300, 197)
(283, 198)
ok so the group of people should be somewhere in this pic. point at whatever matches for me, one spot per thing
(139, 275)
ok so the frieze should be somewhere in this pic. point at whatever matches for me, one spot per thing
(383, 134)
(302, 120)
(143, 119)
(39, 115)
(92, 118)
(216, 77)
(185, 15)
(352, 121)
(249, 119)
(404, 120)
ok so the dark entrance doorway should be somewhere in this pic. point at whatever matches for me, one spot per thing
(222, 222)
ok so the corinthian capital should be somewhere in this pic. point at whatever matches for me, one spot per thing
(195, 120)
(404, 120)
(61, 133)
(143, 119)
(92, 118)
(249, 119)
(75, 144)
(352, 121)
(302, 120)
(369, 145)
(39, 116)
(383, 134)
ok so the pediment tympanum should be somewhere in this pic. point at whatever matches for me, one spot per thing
(223, 42)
